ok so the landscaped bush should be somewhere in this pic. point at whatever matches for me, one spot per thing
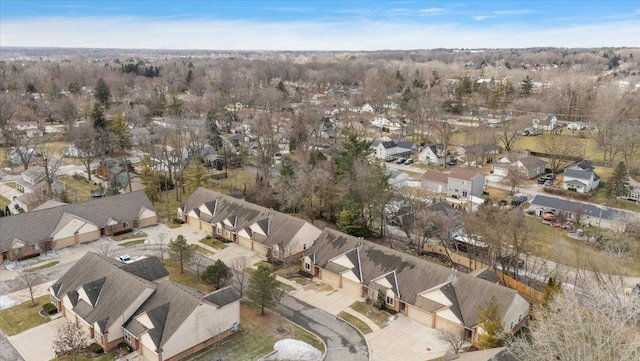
(305, 274)
(95, 348)
(125, 347)
(49, 308)
(177, 221)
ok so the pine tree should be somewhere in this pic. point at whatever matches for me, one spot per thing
(526, 87)
(195, 174)
(217, 274)
(180, 252)
(618, 185)
(97, 117)
(120, 130)
(262, 287)
(102, 93)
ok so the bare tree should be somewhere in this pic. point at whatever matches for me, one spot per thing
(454, 339)
(238, 268)
(514, 178)
(51, 164)
(69, 340)
(84, 138)
(106, 249)
(197, 262)
(29, 279)
(597, 323)
(508, 133)
(161, 238)
(561, 152)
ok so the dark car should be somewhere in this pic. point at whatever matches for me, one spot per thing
(546, 177)
(452, 162)
(97, 193)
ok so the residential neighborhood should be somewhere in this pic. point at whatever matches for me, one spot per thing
(427, 205)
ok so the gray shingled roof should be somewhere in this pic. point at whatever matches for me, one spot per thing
(531, 162)
(414, 274)
(38, 226)
(577, 173)
(587, 209)
(223, 296)
(388, 145)
(149, 268)
(98, 275)
(278, 226)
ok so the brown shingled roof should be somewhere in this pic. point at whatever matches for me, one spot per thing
(435, 176)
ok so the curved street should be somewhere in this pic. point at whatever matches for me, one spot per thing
(344, 342)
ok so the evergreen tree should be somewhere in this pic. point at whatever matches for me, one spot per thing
(351, 221)
(618, 185)
(489, 320)
(120, 130)
(98, 118)
(180, 252)
(213, 132)
(189, 77)
(263, 287)
(195, 174)
(102, 93)
(526, 87)
(217, 274)
(552, 288)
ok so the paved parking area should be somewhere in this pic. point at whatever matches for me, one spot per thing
(407, 340)
(35, 344)
(326, 297)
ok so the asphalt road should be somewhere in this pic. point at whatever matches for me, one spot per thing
(344, 342)
(7, 352)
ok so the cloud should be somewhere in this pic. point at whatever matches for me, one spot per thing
(431, 11)
(483, 17)
(514, 12)
(199, 33)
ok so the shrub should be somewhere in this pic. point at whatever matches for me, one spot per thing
(125, 346)
(95, 348)
(177, 221)
(49, 308)
(305, 274)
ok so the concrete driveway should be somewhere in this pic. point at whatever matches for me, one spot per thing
(326, 297)
(407, 340)
(35, 344)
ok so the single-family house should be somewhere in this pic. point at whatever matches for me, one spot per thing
(547, 123)
(435, 181)
(24, 126)
(386, 149)
(478, 153)
(434, 154)
(586, 214)
(128, 182)
(634, 190)
(17, 154)
(270, 233)
(109, 167)
(527, 165)
(406, 147)
(136, 303)
(35, 188)
(28, 234)
(434, 295)
(397, 179)
(581, 178)
(367, 108)
(465, 182)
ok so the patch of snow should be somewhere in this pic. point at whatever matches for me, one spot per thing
(289, 349)
(6, 302)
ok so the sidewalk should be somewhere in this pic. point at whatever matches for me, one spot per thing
(372, 325)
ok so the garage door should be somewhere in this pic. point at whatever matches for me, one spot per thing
(246, 243)
(65, 242)
(445, 325)
(330, 278)
(500, 171)
(354, 288)
(419, 315)
(89, 236)
(193, 222)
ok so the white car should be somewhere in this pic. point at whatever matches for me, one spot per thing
(125, 259)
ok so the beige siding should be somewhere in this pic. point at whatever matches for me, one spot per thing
(146, 222)
(419, 315)
(148, 353)
(445, 325)
(206, 227)
(260, 249)
(193, 222)
(89, 236)
(246, 243)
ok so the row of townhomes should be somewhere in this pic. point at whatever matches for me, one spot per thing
(422, 290)
(56, 225)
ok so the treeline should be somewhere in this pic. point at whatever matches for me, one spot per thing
(140, 69)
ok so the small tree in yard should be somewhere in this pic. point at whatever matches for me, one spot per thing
(70, 340)
(618, 185)
(29, 279)
(239, 265)
(262, 286)
(454, 339)
(489, 317)
(180, 252)
(217, 274)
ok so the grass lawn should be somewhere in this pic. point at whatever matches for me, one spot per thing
(78, 190)
(11, 185)
(22, 317)
(496, 194)
(214, 243)
(379, 317)
(131, 243)
(128, 235)
(187, 278)
(202, 250)
(554, 244)
(109, 356)
(41, 267)
(256, 339)
(4, 203)
(355, 322)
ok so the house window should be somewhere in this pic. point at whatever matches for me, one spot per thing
(125, 225)
(276, 252)
(511, 325)
(464, 193)
(389, 300)
(374, 294)
(519, 318)
(97, 335)
(127, 336)
(307, 266)
(35, 247)
(17, 251)
(219, 230)
(304, 246)
(227, 234)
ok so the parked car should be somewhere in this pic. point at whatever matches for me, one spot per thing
(408, 161)
(401, 160)
(452, 162)
(390, 158)
(97, 193)
(125, 259)
(546, 177)
(548, 183)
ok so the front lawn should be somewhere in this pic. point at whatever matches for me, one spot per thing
(41, 267)
(256, 338)
(131, 243)
(187, 278)
(214, 243)
(22, 317)
(355, 322)
(379, 317)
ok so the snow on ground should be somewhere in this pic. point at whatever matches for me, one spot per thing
(494, 178)
(289, 349)
(6, 302)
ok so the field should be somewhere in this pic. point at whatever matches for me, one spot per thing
(23, 316)
(77, 190)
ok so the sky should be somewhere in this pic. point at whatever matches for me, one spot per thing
(318, 25)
